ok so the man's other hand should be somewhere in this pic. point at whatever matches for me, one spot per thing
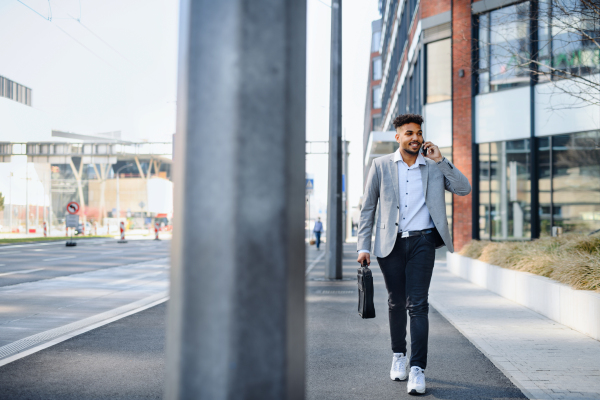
(364, 257)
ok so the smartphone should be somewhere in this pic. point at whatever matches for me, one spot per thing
(424, 151)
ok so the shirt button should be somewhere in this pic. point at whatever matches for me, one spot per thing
(398, 207)
(396, 224)
(406, 206)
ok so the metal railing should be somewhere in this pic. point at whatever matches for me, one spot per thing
(85, 149)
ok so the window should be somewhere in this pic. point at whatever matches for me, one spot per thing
(439, 71)
(504, 190)
(569, 34)
(375, 41)
(484, 191)
(576, 181)
(15, 91)
(377, 68)
(503, 37)
(376, 122)
(377, 97)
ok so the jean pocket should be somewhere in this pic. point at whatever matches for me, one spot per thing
(429, 238)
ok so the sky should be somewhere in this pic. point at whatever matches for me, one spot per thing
(357, 16)
(113, 70)
(111, 65)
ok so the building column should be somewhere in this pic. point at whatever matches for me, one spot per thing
(236, 310)
(461, 118)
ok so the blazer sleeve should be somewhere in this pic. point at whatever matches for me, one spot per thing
(454, 180)
(367, 213)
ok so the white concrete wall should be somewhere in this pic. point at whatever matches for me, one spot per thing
(502, 115)
(577, 309)
(438, 123)
(21, 123)
(557, 112)
(160, 196)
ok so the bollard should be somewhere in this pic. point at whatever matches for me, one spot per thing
(122, 228)
(95, 228)
(83, 228)
(45, 229)
(156, 229)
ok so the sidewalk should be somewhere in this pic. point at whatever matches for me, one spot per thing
(349, 358)
(545, 359)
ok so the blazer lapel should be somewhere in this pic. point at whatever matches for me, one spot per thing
(424, 174)
(394, 174)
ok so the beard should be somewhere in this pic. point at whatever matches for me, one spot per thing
(413, 152)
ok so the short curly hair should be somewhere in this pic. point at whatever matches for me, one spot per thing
(407, 119)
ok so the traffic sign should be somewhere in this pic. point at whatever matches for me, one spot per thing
(72, 221)
(310, 184)
(73, 207)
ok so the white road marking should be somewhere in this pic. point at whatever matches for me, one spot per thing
(24, 271)
(54, 336)
(311, 266)
(58, 258)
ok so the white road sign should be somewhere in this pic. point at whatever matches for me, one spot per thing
(72, 221)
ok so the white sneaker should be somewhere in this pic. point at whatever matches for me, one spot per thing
(416, 381)
(398, 370)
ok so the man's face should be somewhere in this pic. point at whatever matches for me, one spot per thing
(410, 137)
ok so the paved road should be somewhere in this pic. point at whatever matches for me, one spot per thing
(32, 262)
(122, 360)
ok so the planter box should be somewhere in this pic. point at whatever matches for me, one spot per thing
(577, 309)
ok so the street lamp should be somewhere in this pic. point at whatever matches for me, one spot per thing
(118, 202)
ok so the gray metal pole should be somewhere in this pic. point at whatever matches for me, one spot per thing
(27, 198)
(11, 209)
(118, 201)
(236, 310)
(334, 198)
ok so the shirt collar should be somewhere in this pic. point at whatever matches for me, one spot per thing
(420, 158)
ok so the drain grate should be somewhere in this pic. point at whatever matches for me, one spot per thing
(335, 291)
(37, 339)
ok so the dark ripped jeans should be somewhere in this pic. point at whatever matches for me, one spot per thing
(407, 273)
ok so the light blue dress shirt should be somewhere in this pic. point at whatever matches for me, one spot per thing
(414, 215)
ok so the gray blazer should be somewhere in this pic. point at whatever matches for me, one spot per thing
(382, 187)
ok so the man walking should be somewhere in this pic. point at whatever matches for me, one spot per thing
(317, 230)
(411, 224)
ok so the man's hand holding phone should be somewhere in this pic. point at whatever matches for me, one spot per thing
(432, 152)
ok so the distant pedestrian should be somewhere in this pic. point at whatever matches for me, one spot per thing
(318, 229)
(411, 224)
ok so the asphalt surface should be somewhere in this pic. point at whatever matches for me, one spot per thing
(121, 360)
(347, 357)
(32, 262)
(350, 358)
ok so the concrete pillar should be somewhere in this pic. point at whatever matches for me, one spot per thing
(236, 312)
(333, 256)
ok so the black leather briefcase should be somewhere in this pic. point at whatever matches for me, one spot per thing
(366, 308)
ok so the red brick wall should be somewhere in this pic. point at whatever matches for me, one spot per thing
(433, 7)
(461, 116)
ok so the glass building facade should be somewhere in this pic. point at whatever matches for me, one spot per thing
(498, 100)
